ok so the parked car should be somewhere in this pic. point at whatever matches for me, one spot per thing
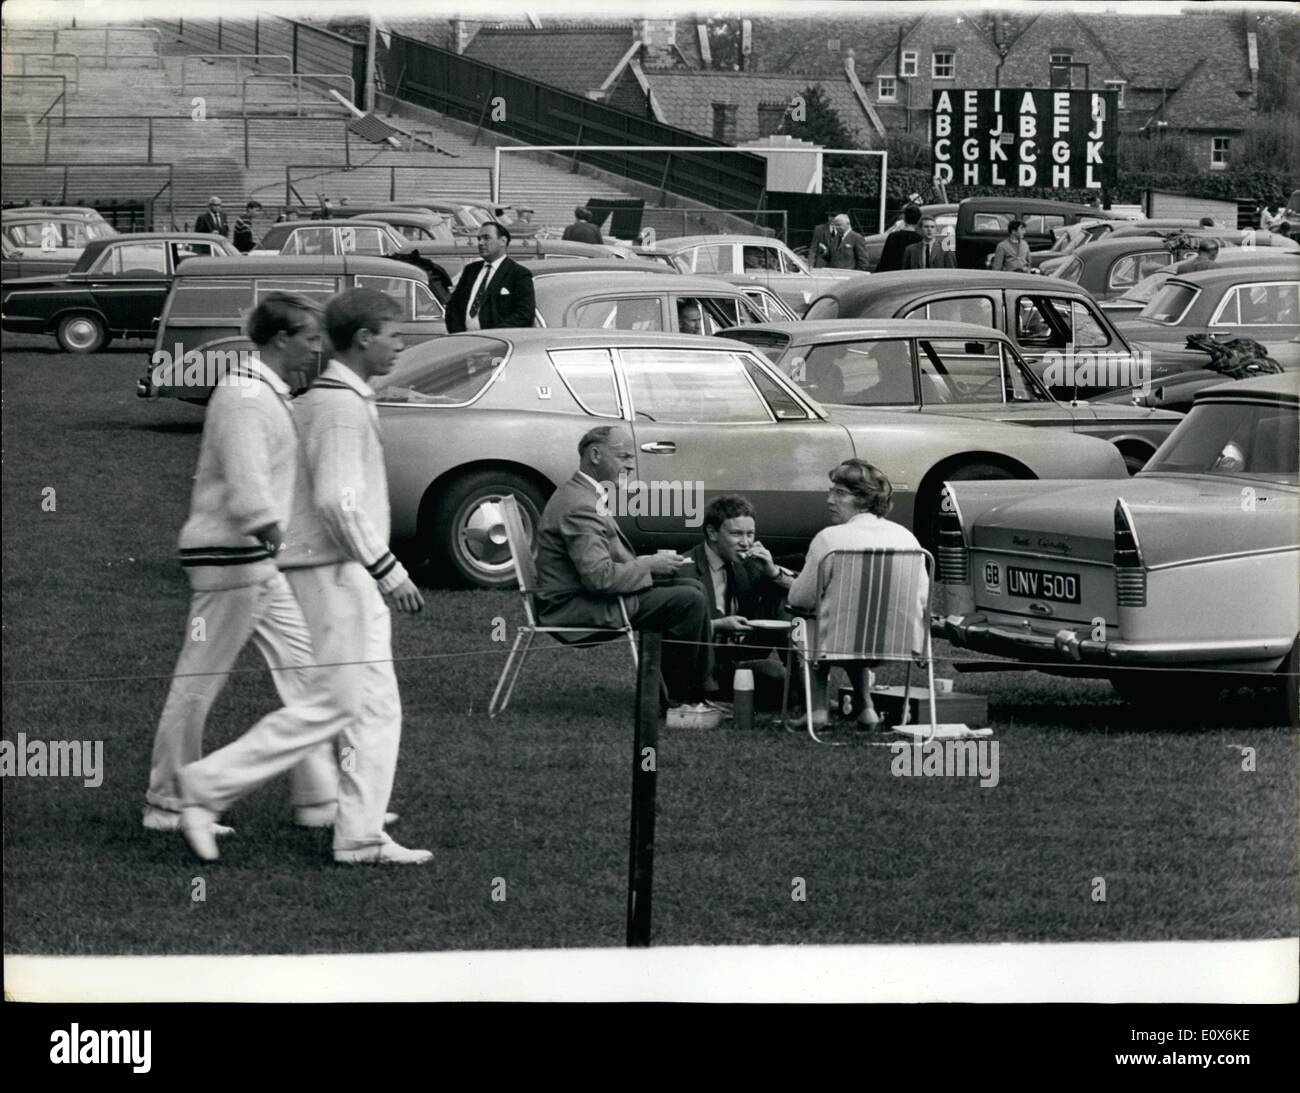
(116, 289)
(1225, 237)
(955, 369)
(48, 239)
(417, 226)
(1136, 298)
(1192, 565)
(1251, 301)
(982, 223)
(333, 236)
(1111, 266)
(1041, 315)
(767, 262)
(651, 299)
(211, 298)
(469, 418)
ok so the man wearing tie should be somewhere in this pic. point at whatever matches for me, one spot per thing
(495, 292)
(928, 253)
(214, 220)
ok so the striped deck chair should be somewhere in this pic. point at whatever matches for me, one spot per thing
(526, 573)
(868, 608)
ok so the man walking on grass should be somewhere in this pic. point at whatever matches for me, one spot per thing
(340, 568)
(239, 511)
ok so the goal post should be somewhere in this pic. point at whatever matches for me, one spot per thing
(713, 149)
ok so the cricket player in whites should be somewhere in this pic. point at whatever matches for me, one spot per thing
(338, 562)
(239, 510)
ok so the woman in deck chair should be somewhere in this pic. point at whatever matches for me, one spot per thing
(859, 500)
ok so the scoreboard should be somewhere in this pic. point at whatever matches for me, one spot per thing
(1025, 137)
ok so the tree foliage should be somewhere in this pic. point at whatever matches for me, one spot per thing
(1279, 63)
(813, 118)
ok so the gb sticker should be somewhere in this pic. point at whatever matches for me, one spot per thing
(993, 578)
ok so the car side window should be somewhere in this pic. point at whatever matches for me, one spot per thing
(182, 251)
(991, 223)
(210, 298)
(318, 289)
(960, 309)
(312, 241)
(623, 313)
(761, 259)
(711, 259)
(1133, 268)
(878, 372)
(779, 401)
(692, 386)
(426, 303)
(720, 312)
(589, 376)
(1260, 305)
(1042, 323)
(367, 241)
(790, 263)
(140, 258)
(1087, 328)
(398, 288)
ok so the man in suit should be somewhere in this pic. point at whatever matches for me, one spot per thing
(898, 240)
(848, 249)
(495, 292)
(819, 250)
(742, 583)
(213, 220)
(929, 253)
(584, 564)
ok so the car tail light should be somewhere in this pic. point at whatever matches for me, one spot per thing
(1130, 573)
(952, 556)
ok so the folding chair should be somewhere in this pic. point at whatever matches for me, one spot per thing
(866, 610)
(526, 573)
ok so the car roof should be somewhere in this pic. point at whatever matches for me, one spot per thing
(289, 225)
(680, 242)
(1041, 204)
(1237, 274)
(1283, 386)
(540, 264)
(562, 337)
(904, 284)
(20, 211)
(581, 277)
(829, 330)
(301, 265)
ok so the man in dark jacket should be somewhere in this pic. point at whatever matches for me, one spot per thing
(495, 292)
(245, 237)
(582, 230)
(213, 220)
(848, 250)
(929, 253)
(897, 241)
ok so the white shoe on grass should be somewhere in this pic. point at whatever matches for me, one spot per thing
(164, 819)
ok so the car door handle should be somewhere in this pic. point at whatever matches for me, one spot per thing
(660, 447)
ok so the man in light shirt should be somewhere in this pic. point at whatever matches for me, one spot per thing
(496, 292)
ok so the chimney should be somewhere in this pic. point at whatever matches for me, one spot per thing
(658, 42)
(462, 32)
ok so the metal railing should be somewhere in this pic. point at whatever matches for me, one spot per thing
(167, 187)
(61, 100)
(108, 32)
(295, 78)
(76, 63)
(392, 169)
(238, 58)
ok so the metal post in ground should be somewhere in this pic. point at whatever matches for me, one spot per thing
(645, 749)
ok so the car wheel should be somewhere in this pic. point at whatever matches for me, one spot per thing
(467, 534)
(929, 507)
(1134, 459)
(82, 333)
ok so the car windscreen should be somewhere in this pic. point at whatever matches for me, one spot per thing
(1067, 267)
(448, 371)
(1169, 304)
(1231, 438)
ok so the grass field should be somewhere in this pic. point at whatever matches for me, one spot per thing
(1189, 844)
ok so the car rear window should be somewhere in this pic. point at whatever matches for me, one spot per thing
(1170, 304)
(589, 376)
(1231, 438)
(210, 298)
(449, 371)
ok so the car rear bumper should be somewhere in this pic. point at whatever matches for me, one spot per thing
(1071, 647)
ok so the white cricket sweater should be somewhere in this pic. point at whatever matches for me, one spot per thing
(341, 513)
(248, 461)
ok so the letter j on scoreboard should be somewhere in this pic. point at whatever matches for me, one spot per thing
(1024, 137)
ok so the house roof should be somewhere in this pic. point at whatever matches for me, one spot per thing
(686, 98)
(574, 56)
(782, 45)
(1161, 50)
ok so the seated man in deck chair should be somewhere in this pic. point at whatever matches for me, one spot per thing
(585, 564)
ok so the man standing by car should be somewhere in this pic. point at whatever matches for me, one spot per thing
(582, 230)
(245, 237)
(496, 292)
(848, 249)
(898, 240)
(239, 513)
(1012, 254)
(340, 568)
(213, 220)
(928, 254)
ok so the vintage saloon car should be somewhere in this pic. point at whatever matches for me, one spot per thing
(469, 418)
(982, 223)
(1135, 299)
(211, 298)
(414, 225)
(46, 239)
(333, 236)
(1237, 301)
(767, 262)
(931, 367)
(627, 297)
(1192, 565)
(1040, 315)
(116, 289)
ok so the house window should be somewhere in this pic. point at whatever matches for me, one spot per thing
(1117, 85)
(1060, 57)
(771, 116)
(1219, 152)
(886, 89)
(943, 65)
(908, 67)
(724, 121)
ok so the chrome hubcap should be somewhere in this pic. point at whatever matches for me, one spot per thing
(81, 333)
(481, 538)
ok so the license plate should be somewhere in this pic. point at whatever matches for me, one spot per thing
(1042, 584)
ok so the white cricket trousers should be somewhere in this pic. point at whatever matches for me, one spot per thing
(297, 736)
(351, 629)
